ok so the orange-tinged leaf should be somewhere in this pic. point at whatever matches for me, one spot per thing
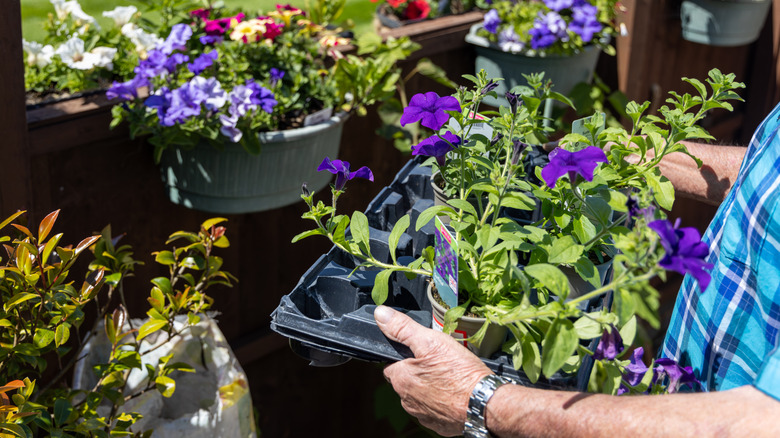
(10, 219)
(15, 384)
(23, 229)
(46, 224)
(86, 243)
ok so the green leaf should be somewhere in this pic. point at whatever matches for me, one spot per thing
(18, 299)
(663, 190)
(564, 251)
(587, 271)
(550, 277)
(61, 334)
(208, 223)
(399, 229)
(43, 337)
(165, 258)
(463, 205)
(451, 317)
(164, 284)
(559, 344)
(587, 327)
(62, 410)
(165, 385)
(428, 214)
(584, 229)
(150, 327)
(380, 290)
(14, 429)
(628, 332)
(305, 234)
(532, 360)
(359, 229)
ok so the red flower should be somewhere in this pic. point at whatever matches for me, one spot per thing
(396, 3)
(417, 9)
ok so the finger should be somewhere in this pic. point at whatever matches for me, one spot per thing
(400, 328)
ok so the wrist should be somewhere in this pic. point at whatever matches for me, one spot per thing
(476, 413)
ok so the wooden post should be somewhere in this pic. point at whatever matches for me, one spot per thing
(15, 174)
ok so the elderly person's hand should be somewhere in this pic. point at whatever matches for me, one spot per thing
(436, 384)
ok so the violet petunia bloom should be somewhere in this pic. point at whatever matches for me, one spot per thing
(276, 76)
(177, 39)
(635, 371)
(261, 96)
(152, 66)
(208, 40)
(509, 41)
(214, 97)
(341, 170)
(513, 100)
(581, 162)
(489, 87)
(437, 146)
(492, 20)
(685, 252)
(548, 29)
(610, 346)
(585, 22)
(202, 62)
(175, 60)
(678, 376)
(430, 108)
(634, 212)
(518, 147)
(557, 5)
(126, 90)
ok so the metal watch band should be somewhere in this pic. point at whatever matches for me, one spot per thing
(475, 415)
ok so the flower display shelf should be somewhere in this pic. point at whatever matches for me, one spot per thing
(328, 316)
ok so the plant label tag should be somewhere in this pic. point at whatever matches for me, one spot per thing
(445, 274)
(474, 129)
(579, 127)
(320, 116)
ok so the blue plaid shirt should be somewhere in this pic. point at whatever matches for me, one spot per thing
(729, 332)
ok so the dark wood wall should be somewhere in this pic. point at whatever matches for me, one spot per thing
(64, 156)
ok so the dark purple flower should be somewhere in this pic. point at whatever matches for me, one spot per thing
(341, 170)
(208, 40)
(436, 146)
(126, 90)
(276, 76)
(489, 87)
(177, 39)
(261, 96)
(678, 376)
(152, 66)
(513, 100)
(685, 252)
(585, 25)
(518, 147)
(582, 162)
(557, 5)
(185, 102)
(634, 372)
(161, 100)
(202, 62)
(610, 346)
(200, 13)
(492, 20)
(430, 108)
(632, 203)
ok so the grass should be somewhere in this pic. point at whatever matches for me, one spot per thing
(34, 12)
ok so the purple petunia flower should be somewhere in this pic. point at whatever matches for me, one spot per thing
(685, 252)
(213, 96)
(341, 170)
(513, 100)
(430, 108)
(152, 66)
(261, 96)
(437, 146)
(582, 162)
(632, 203)
(585, 22)
(492, 20)
(634, 371)
(184, 103)
(610, 346)
(518, 147)
(229, 128)
(678, 376)
(548, 29)
(126, 90)
(202, 62)
(175, 60)
(208, 40)
(557, 5)
(276, 76)
(177, 39)
(161, 100)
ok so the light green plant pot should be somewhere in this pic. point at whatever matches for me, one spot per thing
(468, 326)
(232, 181)
(564, 71)
(723, 22)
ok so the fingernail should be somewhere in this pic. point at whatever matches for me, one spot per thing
(383, 314)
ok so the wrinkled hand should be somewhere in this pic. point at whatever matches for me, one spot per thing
(436, 383)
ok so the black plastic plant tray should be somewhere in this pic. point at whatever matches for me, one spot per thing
(328, 316)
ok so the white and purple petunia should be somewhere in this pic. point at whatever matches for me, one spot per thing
(491, 21)
(430, 109)
(343, 173)
(582, 162)
(685, 252)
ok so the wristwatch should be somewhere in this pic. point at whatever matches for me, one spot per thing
(475, 415)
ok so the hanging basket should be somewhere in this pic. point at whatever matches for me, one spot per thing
(232, 181)
(564, 71)
(723, 22)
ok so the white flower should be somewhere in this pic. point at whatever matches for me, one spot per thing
(121, 14)
(38, 54)
(73, 8)
(144, 41)
(102, 57)
(72, 53)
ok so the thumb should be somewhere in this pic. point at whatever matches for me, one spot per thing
(401, 328)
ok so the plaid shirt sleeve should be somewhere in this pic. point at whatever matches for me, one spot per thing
(728, 333)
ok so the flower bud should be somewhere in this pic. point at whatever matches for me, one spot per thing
(305, 190)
